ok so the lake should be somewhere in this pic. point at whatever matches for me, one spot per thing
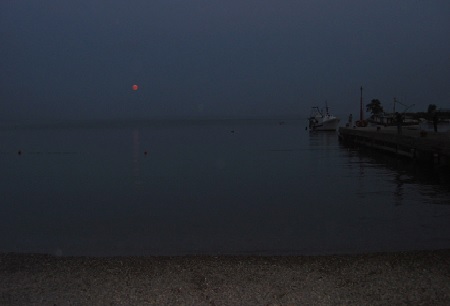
(212, 187)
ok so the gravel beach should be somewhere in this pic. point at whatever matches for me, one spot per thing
(413, 278)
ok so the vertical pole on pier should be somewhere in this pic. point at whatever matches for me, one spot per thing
(361, 117)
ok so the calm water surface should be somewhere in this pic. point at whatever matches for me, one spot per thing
(210, 187)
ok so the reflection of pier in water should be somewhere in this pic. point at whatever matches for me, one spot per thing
(432, 182)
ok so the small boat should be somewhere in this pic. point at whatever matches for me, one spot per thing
(322, 121)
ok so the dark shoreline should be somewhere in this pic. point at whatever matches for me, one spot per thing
(415, 277)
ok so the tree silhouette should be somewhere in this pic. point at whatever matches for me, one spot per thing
(375, 107)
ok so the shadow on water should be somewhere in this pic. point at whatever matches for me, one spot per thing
(432, 181)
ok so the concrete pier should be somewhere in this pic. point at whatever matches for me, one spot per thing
(413, 143)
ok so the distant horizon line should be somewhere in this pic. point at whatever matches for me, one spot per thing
(73, 122)
(155, 117)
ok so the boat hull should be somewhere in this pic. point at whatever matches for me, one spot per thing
(328, 125)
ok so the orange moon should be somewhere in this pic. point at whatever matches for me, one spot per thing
(135, 87)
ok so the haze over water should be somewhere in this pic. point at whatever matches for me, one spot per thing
(176, 187)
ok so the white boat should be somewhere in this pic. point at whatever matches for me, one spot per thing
(320, 120)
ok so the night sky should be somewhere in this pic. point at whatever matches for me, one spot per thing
(79, 59)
